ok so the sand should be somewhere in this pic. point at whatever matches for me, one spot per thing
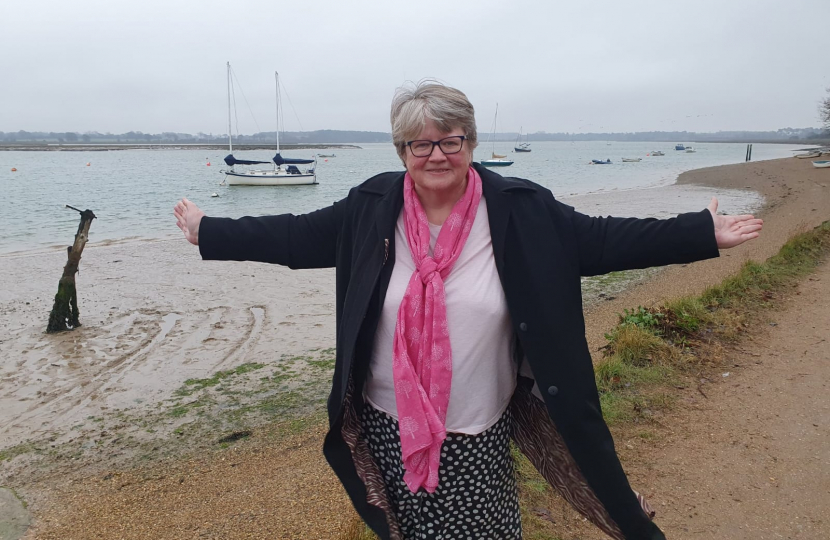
(154, 315)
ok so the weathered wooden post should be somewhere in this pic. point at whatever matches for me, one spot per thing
(64, 315)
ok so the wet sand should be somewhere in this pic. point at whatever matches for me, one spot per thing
(155, 315)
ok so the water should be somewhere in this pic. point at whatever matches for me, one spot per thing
(132, 192)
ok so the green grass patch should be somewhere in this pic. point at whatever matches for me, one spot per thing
(17, 450)
(193, 385)
(649, 346)
(535, 498)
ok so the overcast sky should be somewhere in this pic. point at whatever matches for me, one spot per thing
(153, 66)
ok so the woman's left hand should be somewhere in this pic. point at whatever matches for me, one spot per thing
(731, 231)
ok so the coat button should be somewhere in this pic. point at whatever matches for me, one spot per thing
(523, 327)
(552, 390)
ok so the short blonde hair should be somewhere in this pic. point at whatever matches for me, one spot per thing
(414, 103)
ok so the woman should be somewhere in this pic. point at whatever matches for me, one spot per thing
(459, 325)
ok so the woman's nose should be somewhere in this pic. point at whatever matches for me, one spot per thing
(437, 154)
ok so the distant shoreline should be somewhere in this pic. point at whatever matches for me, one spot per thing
(81, 147)
(106, 147)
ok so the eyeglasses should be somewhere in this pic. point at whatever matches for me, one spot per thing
(448, 145)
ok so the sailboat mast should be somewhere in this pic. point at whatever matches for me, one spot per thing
(230, 140)
(495, 124)
(277, 79)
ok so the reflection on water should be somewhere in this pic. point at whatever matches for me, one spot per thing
(133, 191)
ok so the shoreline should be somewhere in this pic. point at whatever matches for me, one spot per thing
(96, 147)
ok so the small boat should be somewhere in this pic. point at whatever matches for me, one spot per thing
(679, 147)
(690, 150)
(496, 160)
(285, 171)
(600, 162)
(326, 155)
(631, 160)
(823, 164)
(521, 146)
(808, 155)
(657, 153)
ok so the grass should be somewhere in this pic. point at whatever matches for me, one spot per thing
(194, 385)
(650, 346)
(16, 450)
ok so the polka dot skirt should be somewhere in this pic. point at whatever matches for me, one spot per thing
(476, 496)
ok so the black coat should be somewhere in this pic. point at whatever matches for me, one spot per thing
(541, 248)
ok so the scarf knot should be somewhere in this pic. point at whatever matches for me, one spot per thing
(427, 270)
(421, 351)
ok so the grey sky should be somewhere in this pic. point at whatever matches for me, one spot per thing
(153, 66)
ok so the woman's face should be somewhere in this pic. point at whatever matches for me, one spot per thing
(439, 172)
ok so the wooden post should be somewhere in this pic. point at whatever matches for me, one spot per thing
(64, 314)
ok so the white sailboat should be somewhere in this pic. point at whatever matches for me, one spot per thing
(496, 160)
(285, 171)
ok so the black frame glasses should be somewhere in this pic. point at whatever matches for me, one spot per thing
(439, 144)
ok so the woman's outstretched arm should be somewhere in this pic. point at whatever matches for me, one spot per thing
(304, 241)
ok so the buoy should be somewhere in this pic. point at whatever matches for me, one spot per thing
(208, 163)
(214, 194)
(14, 170)
(326, 160)
(87, 163)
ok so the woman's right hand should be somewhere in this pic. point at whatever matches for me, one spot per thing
(188, 218)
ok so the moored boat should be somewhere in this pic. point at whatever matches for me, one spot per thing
(679, 146)
(823, 164)
(521, 146)
(657, 153)
(284, 172)
(496, 160)
(631, 160)
(808, 155)
(600, 162)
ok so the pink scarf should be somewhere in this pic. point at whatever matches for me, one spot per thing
(422, 358)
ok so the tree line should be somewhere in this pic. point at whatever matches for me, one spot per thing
(327, 136)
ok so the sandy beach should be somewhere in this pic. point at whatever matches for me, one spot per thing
(155, 316)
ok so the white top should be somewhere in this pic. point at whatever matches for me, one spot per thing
(483, 372)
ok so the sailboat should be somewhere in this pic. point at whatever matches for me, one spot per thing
(496, 160)
(521, 146)
(285, 171)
